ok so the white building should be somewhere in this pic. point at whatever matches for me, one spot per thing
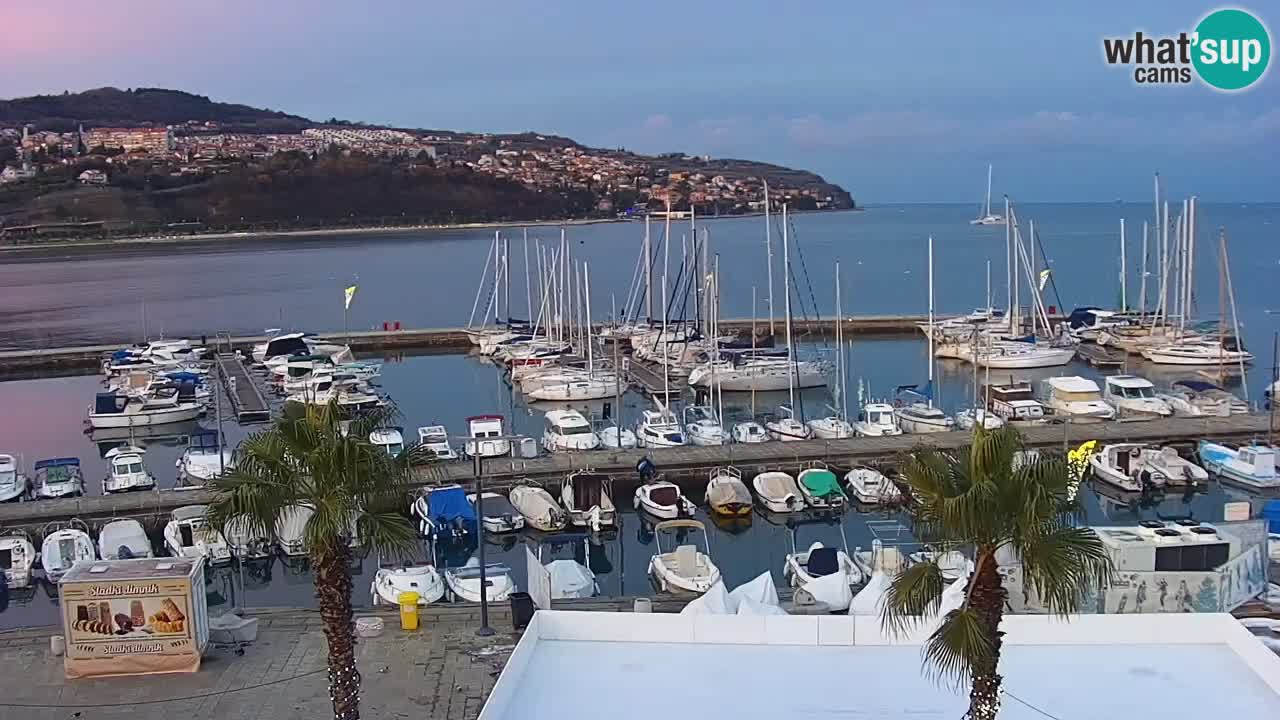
(624, 666)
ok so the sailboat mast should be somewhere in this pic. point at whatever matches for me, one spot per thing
(931, 328)
(786, 293)
(1235, 318)
(648, 271)
(497, 272)
(988, 287)
(528, 291)
(839, 347)
(1124, 273)
(1142, 286)
(586, 282)
(1191, 254)
(1156, 225)
(768, 244)
(1008, 264)
(506, 277)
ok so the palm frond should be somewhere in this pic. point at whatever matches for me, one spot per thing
(914, 595)
(958, 645)
(1061, 563)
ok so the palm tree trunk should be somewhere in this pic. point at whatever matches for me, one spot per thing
(987, 598)
(333, 591)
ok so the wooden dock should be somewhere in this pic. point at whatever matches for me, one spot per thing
(247, 400)
(1101, 357)
(686, 465)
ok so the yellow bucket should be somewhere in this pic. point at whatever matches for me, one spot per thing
(408, 610)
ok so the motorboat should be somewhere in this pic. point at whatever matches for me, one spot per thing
(658, 428)
(188, 534)
(970, 418)
(126, 470)
(351, 400)
(13, 484)
(539, 509)
(205, 459)
(831, 427)
(1198, 398)
(786, 428)
(1251, 465)
(921, 417)
(487, 437)
(245, 543)
(802, 567)
(499, 515)
(435, 439)
(17, 558)
(464, 582)
(1015, 402)
(568, 431)
(727, 495)
(778, 491)
(702, 427)
(277, 351)
(749, 432)
(1134, 467)
(1134, 397)
(124, 539)
(1077, 398)
(445, 514)
(952, 564)
(877, 420)
(683, 568)
(616, 437)
(64, 545)
(587, 499)
(291, 530)
(820, 487)
(663, 500)
(1087, 323)
(389, 440)
(118, 410)
(1199, 351)
(394, 578)
(870, 486)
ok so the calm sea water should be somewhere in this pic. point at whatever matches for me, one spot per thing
(429, 279)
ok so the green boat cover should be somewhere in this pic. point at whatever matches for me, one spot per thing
(821, 483)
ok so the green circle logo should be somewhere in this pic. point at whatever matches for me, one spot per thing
(1232, 49)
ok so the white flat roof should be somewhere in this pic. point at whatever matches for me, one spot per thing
(580, 665)
(1073, 383)
(1129, 381)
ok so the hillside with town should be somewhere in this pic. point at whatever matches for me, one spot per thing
(113, 162)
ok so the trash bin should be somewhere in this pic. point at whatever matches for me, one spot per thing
(408, 610)
(522, 610)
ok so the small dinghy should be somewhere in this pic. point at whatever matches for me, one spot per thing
(416, 575)
(17, 557)
(586, 495)
(802, 568)
(445, 514)
(870, 486)
(683, 568)
(820, 487)
(65, 545)
(778, 492)
(539, 509)
(464, 582)
(189, 535)
(499, 516)
(727, 495)
(123, 540)
(663, 500)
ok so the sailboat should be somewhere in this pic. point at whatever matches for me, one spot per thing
(917, 414)
(836, 426)
(786, 427)
(986, 217)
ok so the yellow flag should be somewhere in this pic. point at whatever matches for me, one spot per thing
(1044, 278)
(350, 293)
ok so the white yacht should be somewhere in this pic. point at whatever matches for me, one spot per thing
(1017, 355)
(435, 438)
(118, 410)
(1201, 351)
(1198, 398)
(877, 420)
(1134, 467)
(1015, 402)
(64, 545)
(13, 484)
(204, 460)
(124, 540)
(702, 427)
(658, 428)
(1134, 397)
(1077, 398)
(749, 432)
(1251, 465)
(870, 486)
(486, 433)
(17, 558)
(985, 215)
(189, 535)
(920, 416)
(683, 568)
(389, 440)
(762, 372)
(568, 431)
(126, 471)
(574, 388)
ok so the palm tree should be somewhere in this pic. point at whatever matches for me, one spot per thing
(353, 486)
(987, 496)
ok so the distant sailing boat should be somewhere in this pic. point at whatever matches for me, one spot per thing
(986, 217)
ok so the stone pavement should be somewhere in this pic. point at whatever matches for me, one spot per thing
(442, 671)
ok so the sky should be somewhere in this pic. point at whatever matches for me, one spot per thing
(897, 102)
